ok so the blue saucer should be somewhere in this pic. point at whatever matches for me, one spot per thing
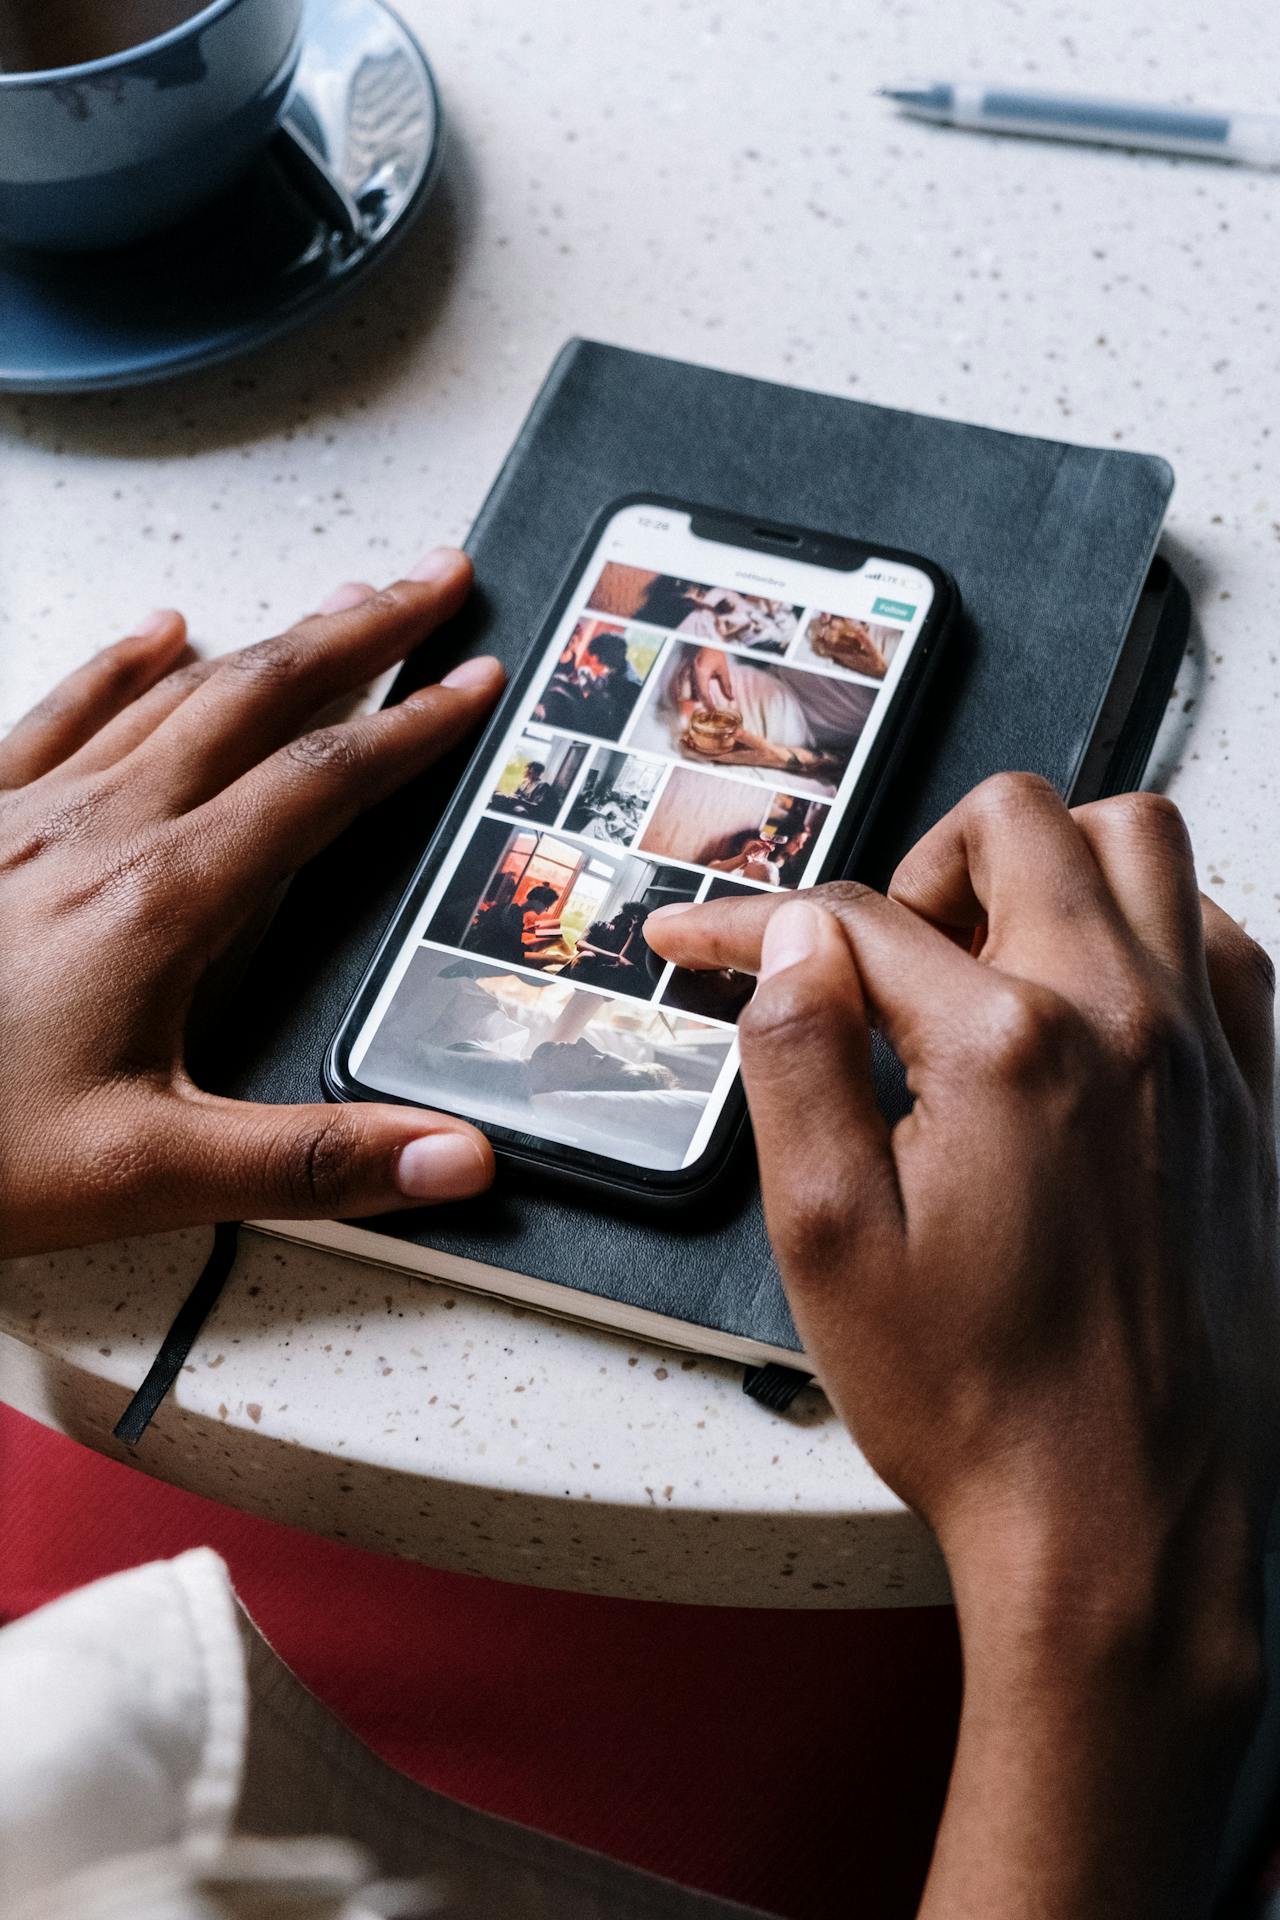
(351, 164)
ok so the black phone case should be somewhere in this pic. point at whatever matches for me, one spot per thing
(1050, 546)
(600, 1171)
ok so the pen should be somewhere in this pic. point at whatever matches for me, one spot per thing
(1251, 138)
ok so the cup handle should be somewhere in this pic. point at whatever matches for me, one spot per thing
(309, 175)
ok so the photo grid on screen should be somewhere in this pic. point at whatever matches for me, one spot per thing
(685, 743)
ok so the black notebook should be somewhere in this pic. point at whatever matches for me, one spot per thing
(1066, 652)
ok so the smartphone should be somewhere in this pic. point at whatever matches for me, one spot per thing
(712, 707)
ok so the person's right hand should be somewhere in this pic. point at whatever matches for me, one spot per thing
(1046, 1303)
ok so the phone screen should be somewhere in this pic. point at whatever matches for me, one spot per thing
(697, 725)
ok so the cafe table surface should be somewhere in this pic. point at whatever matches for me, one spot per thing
(716, 183)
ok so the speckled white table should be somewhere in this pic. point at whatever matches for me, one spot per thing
(713, 182)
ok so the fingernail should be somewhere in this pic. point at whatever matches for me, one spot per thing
(442, 1166)
(353, 593)
(789, 938)
(471, 673)
(438, 565)
(152, 625)
(677, 906)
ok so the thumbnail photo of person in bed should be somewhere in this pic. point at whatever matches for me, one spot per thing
(597, 679)
(731, 827)
(534, 900)
(762, 720)
(687, 606)
(612, 799)
(545, 1057)
(540, 770)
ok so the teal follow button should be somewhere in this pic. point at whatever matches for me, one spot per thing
(893, 609)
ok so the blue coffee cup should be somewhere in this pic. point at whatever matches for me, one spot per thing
(104, 153)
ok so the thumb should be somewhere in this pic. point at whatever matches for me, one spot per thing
(238, 1161)
(826, 1165)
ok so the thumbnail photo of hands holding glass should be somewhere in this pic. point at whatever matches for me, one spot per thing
(763, 720)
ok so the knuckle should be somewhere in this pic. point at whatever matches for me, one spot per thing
(385, 604)
(1145, 816)
(841, 895)
(1256, 961)
(428, 705)
(1144, 1026)
(185, 680)
(335, 751)
(271, 663)
(1028, 1035)
(115, 671)
(1147, 1030)
(1236, 952)
(814, 1232)
(846, 900)
(313, 1168)
(1155, 811)
(783, 1018)
(379, 604)
(1004, 796)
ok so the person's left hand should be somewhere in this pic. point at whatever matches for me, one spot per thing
(148, 808)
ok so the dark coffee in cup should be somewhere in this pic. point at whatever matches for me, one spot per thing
(118, 118)
(39, 34)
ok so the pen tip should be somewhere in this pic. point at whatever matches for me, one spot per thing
(922, 99)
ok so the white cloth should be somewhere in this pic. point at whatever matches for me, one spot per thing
(158, 1762)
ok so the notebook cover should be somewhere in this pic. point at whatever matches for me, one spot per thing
(1050, 545)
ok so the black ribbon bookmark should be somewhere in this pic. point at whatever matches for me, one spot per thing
(178, 1342)
(771, 1386)
(774, 1386)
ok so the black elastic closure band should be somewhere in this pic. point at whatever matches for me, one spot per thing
(774, 1386)
(180, 1339)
